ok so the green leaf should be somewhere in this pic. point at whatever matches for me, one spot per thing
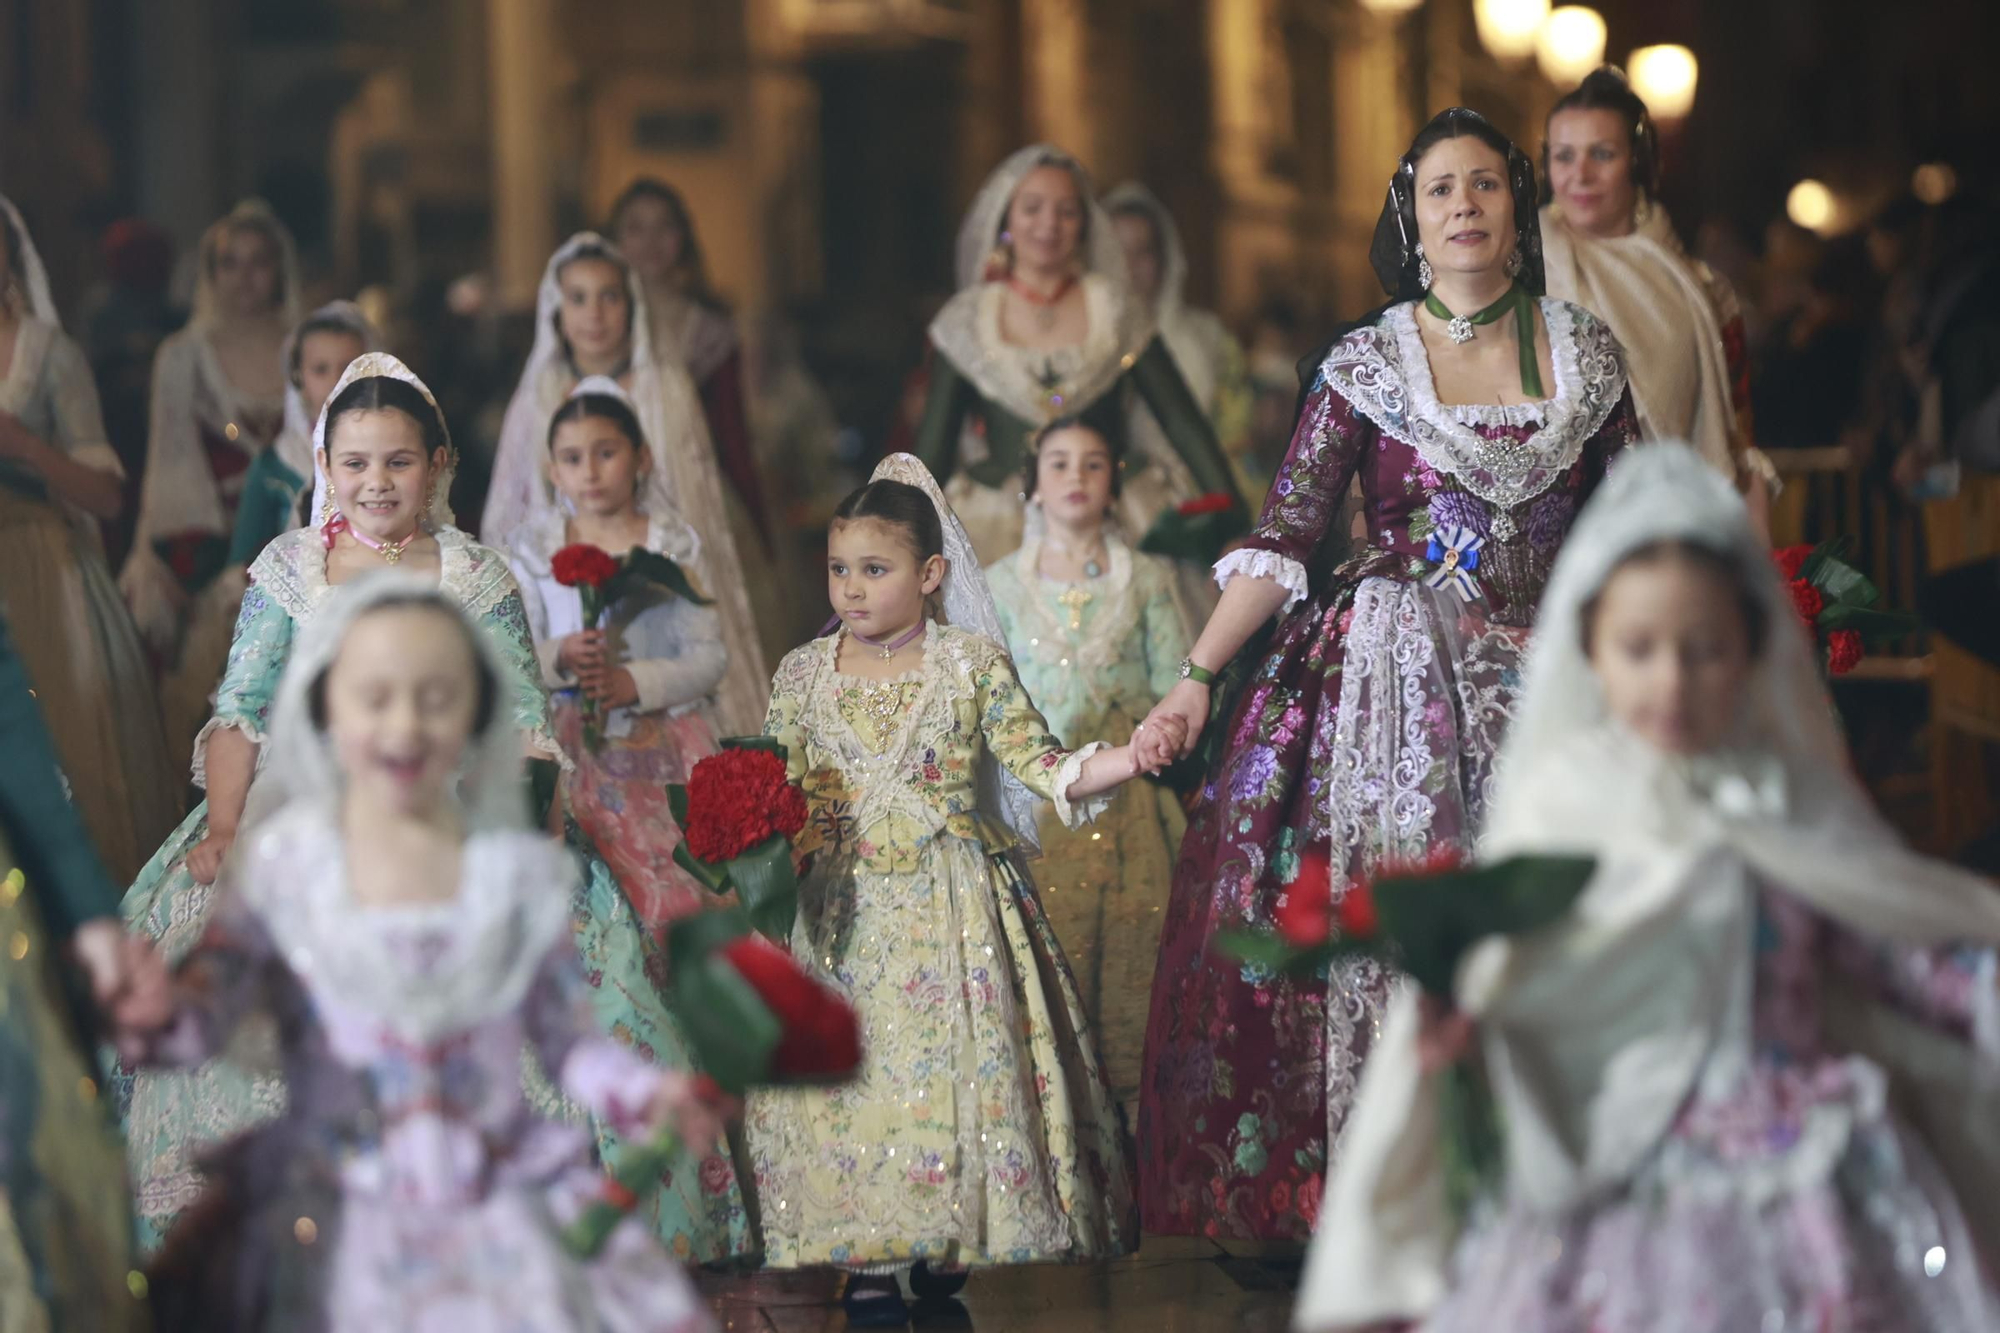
(768, 887)
(543, 776)
(642, 568)
(1200, 537)
(1434, 919)
(730, 1031)
(677, 803)
(714, 878)
(771, 743)
(1833, 551)
(1873, 626)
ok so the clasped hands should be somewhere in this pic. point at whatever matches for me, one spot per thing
(583, 655)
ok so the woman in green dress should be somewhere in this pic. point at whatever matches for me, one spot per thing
(1044, 326)
(391, 457)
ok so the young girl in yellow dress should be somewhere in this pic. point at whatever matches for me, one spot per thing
(980, 1130)
(1098, 637)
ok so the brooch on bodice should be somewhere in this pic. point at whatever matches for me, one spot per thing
(1455, 552)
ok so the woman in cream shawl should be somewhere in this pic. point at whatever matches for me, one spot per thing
(1696, 1069)
(1609, 247)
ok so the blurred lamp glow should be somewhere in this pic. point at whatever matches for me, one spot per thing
(1570, 44)
(1810, 204)
(1391, 6)
(1934, 182)
(1507, 28)
(1664, 77)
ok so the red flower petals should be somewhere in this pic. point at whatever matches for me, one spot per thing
(1807, 600)
(1356, 913)
(1792, 559)
(1304, 915)
(582, 565)
(1843, 651)
(1213, 503)
(736, 800)
(822, 1035)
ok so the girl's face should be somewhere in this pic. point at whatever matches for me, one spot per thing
(1465, 212)
(596, 467)
(1144, 263)
(1073, 474)
(401, 699)
(1045, 219)
(380, 474)
(650, 238)
(1590, 169)
(1672, 652)
(875, 580)
(246, 271)
(596, 310)
(323, 359)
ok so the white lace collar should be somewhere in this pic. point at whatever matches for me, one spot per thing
(1383, 372)
(292, 571)
(424, 971)
(967, 330)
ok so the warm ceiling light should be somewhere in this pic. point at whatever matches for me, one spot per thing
(1391, 6)
(1570, 44)
(1507, 28)
(1934, 182)
(1664, 77)
(1811, 205)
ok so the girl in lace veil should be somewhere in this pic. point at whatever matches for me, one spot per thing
(407, 932)
(1749, 1082)
(1044, 325)
(386, 441)
(922, 758)
(650, 670)
(669, 412)
(58, 478)
(218, 402)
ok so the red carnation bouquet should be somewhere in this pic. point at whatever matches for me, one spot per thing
(739, 813)
(600, 579)
(1421, 920)
(1838, 604)
(753, 1017)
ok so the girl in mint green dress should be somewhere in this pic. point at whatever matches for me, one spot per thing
(171, 1115)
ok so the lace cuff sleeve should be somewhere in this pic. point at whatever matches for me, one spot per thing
(1076, 814)
(1290, 574)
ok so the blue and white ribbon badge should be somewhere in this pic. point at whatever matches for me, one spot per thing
(1455, 552)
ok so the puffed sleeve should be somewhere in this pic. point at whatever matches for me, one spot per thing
(1166, 634)
(79, 421)
(1305, 497)
(258, 652)
(507, 623)
(782, 716)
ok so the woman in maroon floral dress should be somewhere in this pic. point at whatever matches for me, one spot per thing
(1366, 724)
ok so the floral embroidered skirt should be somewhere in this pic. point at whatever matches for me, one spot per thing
(619, 794)
(1369, 723)
(979, 1131)
(173, 1116)
(1865, 1240)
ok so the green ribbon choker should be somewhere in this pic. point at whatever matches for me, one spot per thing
(1517, 302)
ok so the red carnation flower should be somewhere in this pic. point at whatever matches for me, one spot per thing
(736, 800)
(1356, 914)
(1212, 503)
(1807, 600)
(1792, 559)
(1304, 914)
(1843, 651)
(582, 565)
(821, 1035)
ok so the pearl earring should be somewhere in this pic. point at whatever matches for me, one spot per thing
(1514, 264)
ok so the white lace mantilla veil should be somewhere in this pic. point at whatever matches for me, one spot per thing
(969, 605)
(1682, 843)
(670, 413)
(980, 232)
(656, 497)
(503, 935)
(32, 280)
(295, 441)
(1178, 324)
(301, 764)
(381, 365)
